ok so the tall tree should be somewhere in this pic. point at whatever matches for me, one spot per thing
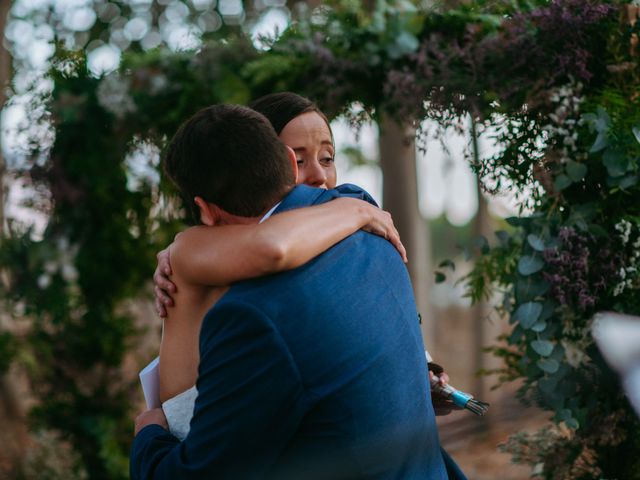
(400, 197)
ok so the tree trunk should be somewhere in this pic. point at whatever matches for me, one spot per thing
(482, 329)
(400, 197)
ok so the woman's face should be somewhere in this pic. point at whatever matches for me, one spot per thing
(310, 138)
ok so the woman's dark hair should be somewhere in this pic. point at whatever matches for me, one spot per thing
(281, 108)
(230, 156)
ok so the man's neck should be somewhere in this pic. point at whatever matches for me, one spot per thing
(227, 218)
(230, 219)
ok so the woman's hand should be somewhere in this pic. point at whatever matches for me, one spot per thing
(163, 287)
(380, 223)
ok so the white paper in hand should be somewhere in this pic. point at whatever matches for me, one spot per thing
(150, 380)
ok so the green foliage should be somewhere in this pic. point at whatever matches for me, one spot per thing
(7, 350)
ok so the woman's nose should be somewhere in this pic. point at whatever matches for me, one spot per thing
(315, 175)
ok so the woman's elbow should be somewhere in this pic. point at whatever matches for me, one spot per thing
(276, 255)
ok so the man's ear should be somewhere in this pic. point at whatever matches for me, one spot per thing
(208, 214)
(294, 161)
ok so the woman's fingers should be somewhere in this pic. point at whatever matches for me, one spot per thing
(164, 262)
(163, 287)
(160, 310)
(388, 230)
(161, 281)
(395, 241)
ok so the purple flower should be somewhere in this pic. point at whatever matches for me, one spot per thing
(580, 268)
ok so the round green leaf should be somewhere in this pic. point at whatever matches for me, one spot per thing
(536, 242)
(529, 264)
(572, 423)
(628, 181)
(548, 365)
(503, 237)
(542, 347)
(548, 384)
(576, 171)
(561, 182)
(602, 141)
(440, 277)
(616, 162)
(539, 326)
(528, 288)
(528, 313)
(548, 310)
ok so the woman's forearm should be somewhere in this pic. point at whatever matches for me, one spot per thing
(223, 255)
(294, 240)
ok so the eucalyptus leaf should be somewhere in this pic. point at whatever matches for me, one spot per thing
(602, 141)
(548, 365)
(561, 182)
(554, 400)
(542, 347)
(581, 224)
(547, 384)
(530, 264)
(481, 242)
(528, 288)
(515, 335)
(628, 181)
(558, 353)
(404, 44)
(576, 171)
(440, 277)
(564, 414)
(503, 237)
(572, 423)
(603, 120)
(536, 242)
(567, 416)
(528, 313)
(616, 162)
(636, 132)
(539, 326)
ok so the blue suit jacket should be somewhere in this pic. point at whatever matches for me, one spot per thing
(318, 372)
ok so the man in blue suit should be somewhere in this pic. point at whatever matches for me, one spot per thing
(314, 373)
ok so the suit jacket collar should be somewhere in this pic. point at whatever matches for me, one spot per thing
(304, 196)
(300, 196)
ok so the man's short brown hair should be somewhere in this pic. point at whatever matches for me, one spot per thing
(230, 156)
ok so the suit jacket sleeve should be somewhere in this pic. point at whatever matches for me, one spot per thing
(350, 190)
(247, 381)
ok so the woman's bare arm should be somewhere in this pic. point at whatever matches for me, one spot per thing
(226, 254)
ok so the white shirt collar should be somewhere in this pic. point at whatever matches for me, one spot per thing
(270, 212)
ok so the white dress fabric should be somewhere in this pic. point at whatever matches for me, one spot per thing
(179, 410)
